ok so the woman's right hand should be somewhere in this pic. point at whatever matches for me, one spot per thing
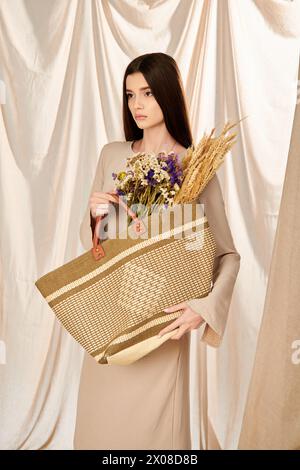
(99, 202)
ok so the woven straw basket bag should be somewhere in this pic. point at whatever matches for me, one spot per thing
(111, 298)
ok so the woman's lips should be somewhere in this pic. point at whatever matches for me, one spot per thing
(140, 117)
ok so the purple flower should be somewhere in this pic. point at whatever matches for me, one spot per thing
(120, 192)
(150, 174)
(150, 178)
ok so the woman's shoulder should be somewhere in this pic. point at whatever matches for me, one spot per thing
(212, 191)
(180, 149)
(113, 150)
(116, 146)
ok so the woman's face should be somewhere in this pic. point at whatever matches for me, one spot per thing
(141, 102)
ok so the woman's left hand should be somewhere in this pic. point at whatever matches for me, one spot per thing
(188, 320)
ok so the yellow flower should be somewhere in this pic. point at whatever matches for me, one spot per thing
(121, 175)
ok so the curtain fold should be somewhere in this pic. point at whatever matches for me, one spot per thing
(282, 16)
(274, 391)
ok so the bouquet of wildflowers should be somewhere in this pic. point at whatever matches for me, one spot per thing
(151, 180)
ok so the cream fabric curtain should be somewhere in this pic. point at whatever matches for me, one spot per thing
(61, 68)
(276, 421)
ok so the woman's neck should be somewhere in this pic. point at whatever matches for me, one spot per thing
(143, 145)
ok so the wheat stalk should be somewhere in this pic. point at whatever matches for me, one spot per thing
(201, 162)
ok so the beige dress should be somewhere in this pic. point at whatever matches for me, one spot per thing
(145, 405)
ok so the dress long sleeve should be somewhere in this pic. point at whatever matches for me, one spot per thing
(87, 225)
(214, 307)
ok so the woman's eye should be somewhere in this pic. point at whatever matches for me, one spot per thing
(129, 95)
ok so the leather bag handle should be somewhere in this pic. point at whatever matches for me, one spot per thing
(139, 227)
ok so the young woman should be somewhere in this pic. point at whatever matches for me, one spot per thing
(146, 405)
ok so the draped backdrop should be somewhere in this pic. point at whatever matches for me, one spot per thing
(61, 69)
(274, 391)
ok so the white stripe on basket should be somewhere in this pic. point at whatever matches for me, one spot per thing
(123, 255)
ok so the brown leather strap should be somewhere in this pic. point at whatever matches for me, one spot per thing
(97, 249)
(92, 224)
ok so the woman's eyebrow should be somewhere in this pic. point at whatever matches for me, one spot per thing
(142, 88)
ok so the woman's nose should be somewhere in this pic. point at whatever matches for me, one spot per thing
(138, 104)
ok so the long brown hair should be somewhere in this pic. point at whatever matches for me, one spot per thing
(163, 76)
